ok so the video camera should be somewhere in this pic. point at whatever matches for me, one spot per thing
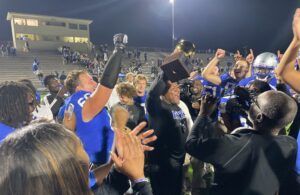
(241, 101)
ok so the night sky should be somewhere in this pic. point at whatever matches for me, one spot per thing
(264, 25)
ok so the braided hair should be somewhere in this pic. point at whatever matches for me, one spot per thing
(14, 107)
(28, 83)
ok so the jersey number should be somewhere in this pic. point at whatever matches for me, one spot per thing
(82, 100)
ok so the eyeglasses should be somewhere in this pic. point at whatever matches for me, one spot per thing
(254, 101)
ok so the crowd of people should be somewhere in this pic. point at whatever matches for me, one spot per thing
(237, 128)
(7, 49)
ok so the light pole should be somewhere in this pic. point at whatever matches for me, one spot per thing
(173, 25)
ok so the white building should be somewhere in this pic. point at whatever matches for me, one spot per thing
(49, 32)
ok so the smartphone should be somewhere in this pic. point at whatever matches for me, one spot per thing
(69, 111)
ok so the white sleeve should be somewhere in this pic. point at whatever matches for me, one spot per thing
(46, 102)
(187, 114)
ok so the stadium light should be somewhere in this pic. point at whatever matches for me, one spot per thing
(173, 22)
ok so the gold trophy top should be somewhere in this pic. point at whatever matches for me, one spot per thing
(187, 47)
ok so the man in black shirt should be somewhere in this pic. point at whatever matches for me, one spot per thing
(170, 125)
(248, 161)
(55, 98)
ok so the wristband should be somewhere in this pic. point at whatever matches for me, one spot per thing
(136, 181)
(113, 67)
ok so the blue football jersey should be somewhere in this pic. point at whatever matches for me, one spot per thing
(298, 155)
(247, 81)
(209, 87)
(227, 84)
(97, 135)
(5, 130)
(141, 100)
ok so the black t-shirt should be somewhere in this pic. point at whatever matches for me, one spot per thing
(136, 114)
(170, 126)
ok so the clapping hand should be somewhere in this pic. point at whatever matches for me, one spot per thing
(129, 157)
(145, 138)
(296, 24)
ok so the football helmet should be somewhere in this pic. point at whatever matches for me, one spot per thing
(264, 64)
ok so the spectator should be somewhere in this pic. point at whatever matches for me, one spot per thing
(286, 68)
(62, 78)
(41, 77)
(140, 83)
(289, 73)
(171, 124)
(13, 51)
(138, 53)
(105, 57)
(35, 66)
(126, 92)
(26, 46)
(55, 98)
(3, 50)
(16, 106)
(8, 49)
(130, 78)
(41, 111)
(49, 159)
(248, 161)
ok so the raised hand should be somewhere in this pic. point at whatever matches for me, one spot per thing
(250, 57)
(62, 92)
(193, 75)
(145, 138)
(296, 24)
(131, 163)
(220, 53)
(120, 40)
(208, 105)
(279, 55)
(237, 56)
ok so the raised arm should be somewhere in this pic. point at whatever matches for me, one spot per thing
(156, 90)
(201, 129)
(285, 68)
(250, 59)
(96, 102)
(205, 141)
(209, 71)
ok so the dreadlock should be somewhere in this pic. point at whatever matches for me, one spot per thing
(14, 108)
(28, 83)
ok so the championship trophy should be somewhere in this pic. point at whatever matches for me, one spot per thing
(177, 66)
